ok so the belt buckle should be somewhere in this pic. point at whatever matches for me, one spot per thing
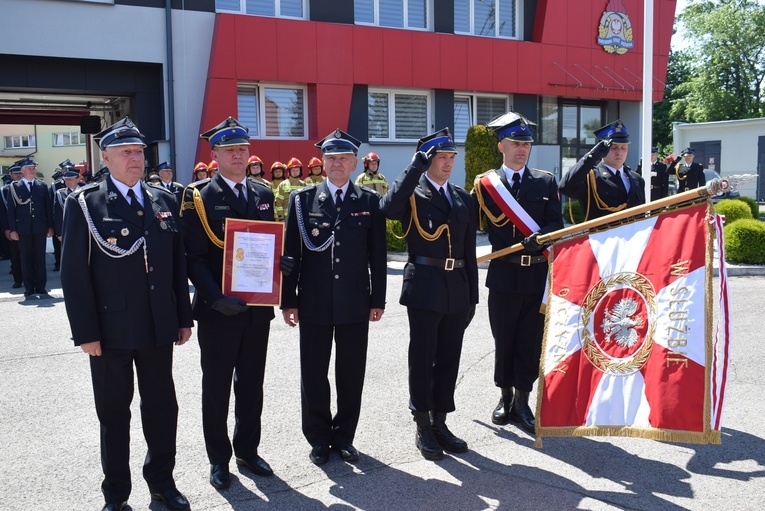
(449, 264)
(525, 260)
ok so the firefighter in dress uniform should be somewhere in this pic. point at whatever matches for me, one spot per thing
(658, 174)
(30, 222)
(71, 184)
(440, 288)
(123, 273)
(336, 236)
(233, 337)
(165, 172)
(516, 203)
(600, 180)
(690, 175)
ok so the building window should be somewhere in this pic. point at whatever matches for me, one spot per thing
(548, 120)
(68, 139)
(273, 111)
(472, 109)
(410, 14)
(489, 18)
(20, 141)
(277, 8)
(578, 122)
(398, 115)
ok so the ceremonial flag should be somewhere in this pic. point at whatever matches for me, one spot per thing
(629, 348)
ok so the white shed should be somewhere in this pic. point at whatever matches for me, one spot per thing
(729, 147)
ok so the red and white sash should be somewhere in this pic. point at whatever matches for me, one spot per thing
(502, 197)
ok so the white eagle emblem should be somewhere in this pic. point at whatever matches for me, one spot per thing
(620, 324)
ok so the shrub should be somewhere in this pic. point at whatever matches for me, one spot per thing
(572, 208)
(753, 206)
(481, 153)
(394, 244)
(745, 241)
(733, 210)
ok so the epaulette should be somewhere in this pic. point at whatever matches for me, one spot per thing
(366, 188)
(199, 184)
(458, 187)
(87, 188)
(543, 171)
(155, 186)
(306, 188)
(178, 184)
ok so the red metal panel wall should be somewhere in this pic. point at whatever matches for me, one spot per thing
(329, 58)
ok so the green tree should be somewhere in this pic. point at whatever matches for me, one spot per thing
(726, 58)
(677, 69)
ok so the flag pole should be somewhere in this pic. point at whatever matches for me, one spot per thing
(647, 106)
(713, 187)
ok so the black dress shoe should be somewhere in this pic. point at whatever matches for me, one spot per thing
(42, 292)
(349, 452)
(220, 477)
(319, 454)
(172, 499)
(116, 506)
(256, 465)
(17, 285)
(29, 293)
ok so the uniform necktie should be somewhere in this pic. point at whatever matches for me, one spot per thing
(442, 191)
(242, 198)
(339, 199)
(516, 183)
(134, 202)
(621, 181)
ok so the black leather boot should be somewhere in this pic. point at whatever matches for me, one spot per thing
(521, 414)
(501, 415)
(424, 439)
(444, 437)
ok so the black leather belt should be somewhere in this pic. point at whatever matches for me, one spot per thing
(447, 264)
(525, 259)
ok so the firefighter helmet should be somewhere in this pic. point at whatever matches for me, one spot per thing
(213, 165)
(294, 162)
(370, 157)
(315, 162)
(254, 159)
(277, 165)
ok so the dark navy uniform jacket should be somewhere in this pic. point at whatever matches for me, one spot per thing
(205, 259)
(659, 182)
(340, 284)
(128, 302)
(430, 287)
(575, 184)
(35, 217)
(694, 176)
(59, 201)
(538, 195)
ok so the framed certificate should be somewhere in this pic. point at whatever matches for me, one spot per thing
(251, 252)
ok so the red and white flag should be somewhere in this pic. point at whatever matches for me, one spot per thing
(629, 348)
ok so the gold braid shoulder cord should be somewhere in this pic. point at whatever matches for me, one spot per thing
(677, 173)
(425, 234)
(592, 186)
(199, 206)
(498, 221)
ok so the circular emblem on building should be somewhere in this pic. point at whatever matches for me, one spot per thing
(618, 322)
